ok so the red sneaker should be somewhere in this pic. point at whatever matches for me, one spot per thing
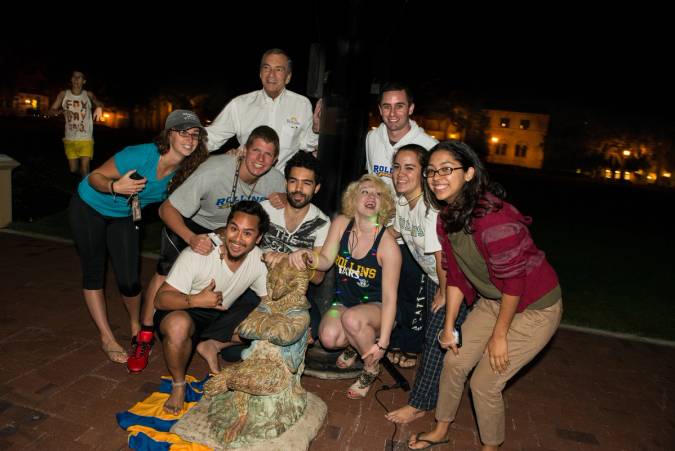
(141, 347)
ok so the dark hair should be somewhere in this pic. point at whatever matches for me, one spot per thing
(421, 153)
(395, 86)
(472, 201)
(265, 133)
(306, 160)
(189, 164)
(276, 51)
(251, 207)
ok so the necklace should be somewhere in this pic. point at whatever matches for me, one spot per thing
(408, 201)
(354, 238)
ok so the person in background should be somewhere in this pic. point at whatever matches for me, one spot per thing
(102, 218)
(492, 262)
(288, 113)
(76, 105)
(368, 264)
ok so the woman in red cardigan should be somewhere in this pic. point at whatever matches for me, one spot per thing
(492, 262)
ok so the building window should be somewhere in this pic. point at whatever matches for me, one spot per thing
(500, 149)
(524, 124)
(521, 150)
(504, 122)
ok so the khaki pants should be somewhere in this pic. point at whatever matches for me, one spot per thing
(528, 334)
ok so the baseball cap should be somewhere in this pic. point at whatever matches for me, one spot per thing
(182, 120)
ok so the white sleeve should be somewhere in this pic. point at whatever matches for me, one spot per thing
(431, 242)
(309, 140)
(368, 166)
(321, 234)
(181, 274)
(223, 127)
(259, 286)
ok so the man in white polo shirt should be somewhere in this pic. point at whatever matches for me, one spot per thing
(288, 113)
(197, 300)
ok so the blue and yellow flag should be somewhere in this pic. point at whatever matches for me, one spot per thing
(148, 424)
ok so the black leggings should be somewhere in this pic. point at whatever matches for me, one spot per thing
(95, 233)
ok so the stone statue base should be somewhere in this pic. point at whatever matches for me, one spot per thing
(194, 427)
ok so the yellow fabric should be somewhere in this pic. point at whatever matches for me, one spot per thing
(77, 149)
(177, 443)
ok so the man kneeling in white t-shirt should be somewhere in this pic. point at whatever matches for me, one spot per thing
(201, 299)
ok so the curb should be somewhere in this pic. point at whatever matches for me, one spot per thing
(620, 335)
(56, 239)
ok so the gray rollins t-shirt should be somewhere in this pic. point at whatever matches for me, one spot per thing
(206, 196)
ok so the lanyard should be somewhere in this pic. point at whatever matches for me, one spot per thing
(236, 182)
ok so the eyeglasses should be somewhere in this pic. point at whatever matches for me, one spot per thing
(429, 173)
(186, 134)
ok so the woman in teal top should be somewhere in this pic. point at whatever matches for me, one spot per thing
(102, 218)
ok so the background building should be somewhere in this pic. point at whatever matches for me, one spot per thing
(516, 138)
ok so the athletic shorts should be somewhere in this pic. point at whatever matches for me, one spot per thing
(215, 324)
(77, 149)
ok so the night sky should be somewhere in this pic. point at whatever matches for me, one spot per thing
(610, 61)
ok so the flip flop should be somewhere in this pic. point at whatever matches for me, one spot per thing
(431, 443)
(407, 360)
(394, 356)
(115, 353)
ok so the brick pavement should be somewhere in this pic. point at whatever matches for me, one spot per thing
(59, 392)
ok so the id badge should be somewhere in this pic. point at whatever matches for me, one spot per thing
(135, 208)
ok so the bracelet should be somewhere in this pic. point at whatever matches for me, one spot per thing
(112, 187)
(381, 348)
(438, 337)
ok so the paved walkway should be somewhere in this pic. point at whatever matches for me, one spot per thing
(59, 392)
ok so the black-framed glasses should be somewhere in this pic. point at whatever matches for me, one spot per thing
(186, 134)
(429, 173)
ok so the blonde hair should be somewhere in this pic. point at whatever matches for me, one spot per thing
(387, 207)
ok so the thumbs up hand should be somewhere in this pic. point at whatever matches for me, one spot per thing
(209, 298)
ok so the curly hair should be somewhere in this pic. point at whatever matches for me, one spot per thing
(472, 201)
(189, 164)
(349, 198)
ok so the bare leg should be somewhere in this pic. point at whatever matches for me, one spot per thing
(133, 306)
(95, 301)
(148, 307)
(439, 433)
(361, 325)
(177, 328)
(84, 166)
(209, 349)
(73, 165)
(331, 334)
(405, 414)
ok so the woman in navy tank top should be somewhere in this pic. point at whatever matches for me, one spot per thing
(368, 265)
